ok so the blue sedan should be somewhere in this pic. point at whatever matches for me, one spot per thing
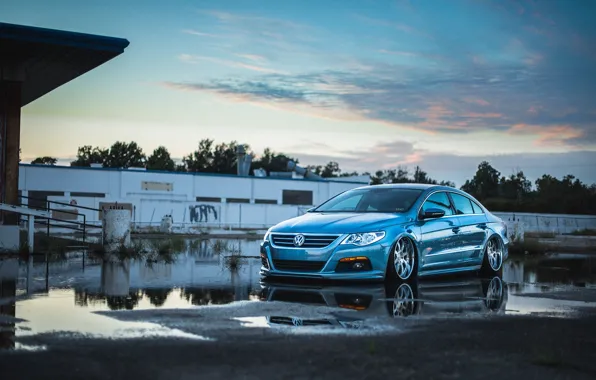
(387, 232)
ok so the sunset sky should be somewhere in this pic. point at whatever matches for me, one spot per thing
(370, 84)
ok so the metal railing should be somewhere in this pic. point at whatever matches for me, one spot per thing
(70, 224)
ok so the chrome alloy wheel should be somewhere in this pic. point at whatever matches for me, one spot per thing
(494, 251)
(403, 301)
(494, 294)
(404, 256)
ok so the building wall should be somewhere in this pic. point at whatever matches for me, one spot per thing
(191, 199)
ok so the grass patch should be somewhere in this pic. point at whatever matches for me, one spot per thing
(583, 232)
(540, 235)
(150, 250)
(528, 247)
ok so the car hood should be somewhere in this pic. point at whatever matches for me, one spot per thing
(339, 222)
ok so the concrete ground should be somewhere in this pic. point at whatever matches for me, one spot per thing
(515, 347)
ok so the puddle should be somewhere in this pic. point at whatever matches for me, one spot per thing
(198, 296)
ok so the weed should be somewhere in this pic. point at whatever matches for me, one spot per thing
(233, 262)
(220, 246)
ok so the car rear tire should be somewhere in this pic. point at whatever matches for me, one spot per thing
(492, 262)
(403, 261)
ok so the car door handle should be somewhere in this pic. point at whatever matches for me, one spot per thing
(482, 226)
(455, 229)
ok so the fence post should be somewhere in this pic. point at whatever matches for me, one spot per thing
(240, 215)
(84, 228)
(30, 232)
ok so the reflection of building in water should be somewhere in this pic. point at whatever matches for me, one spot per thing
(9, 270)
(115, 278)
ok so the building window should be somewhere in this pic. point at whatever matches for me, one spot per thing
(38, 199)
(209, 199)
(266, 201)
(87, 195)
(237, 200)
(297, 197)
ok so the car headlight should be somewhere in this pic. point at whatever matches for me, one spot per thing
(364, 238)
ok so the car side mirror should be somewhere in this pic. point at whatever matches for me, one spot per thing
(431, 213)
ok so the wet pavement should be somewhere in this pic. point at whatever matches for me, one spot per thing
(199, 299)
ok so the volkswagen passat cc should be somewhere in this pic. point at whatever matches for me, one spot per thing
(397, 231)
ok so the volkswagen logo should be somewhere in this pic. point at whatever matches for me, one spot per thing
(298, 240)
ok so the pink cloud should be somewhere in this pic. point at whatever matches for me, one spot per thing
(478, 101)
(486, 115)
(550, 135)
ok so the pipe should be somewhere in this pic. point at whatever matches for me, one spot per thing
(303, 171)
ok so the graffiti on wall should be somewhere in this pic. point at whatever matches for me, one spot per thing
(201, 213)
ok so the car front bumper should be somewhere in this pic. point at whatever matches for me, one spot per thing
(330, 259)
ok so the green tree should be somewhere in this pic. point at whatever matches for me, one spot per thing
(273, 162)
(125, 155)
(485, 183)
(160, 159)
(515, 187)
(331, 170)
(201, 159)
(87, 155)
(45, 160)
(225, 159)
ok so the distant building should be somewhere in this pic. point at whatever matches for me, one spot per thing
(191, 198)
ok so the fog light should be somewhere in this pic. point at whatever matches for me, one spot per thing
(353, 264)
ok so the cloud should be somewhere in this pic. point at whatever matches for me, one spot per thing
(200, 34)
(393, 25)
(194, 59)
(447, 100)
(253, 57)
(455, 83)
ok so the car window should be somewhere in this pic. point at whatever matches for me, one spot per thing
(462, 204)
(438, 200)
(348, 204)
(477, 208)
(374, 199)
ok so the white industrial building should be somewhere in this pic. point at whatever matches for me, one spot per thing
(192, 199)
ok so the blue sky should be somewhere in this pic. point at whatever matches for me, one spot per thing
(370, 84)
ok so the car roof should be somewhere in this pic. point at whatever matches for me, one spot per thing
(414, 186)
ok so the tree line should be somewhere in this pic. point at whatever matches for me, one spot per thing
(497, 192)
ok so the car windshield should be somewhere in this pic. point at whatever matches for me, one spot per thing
(372, 200)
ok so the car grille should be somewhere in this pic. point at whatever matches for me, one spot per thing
(299, 265)
(298, 321)
(310, 241)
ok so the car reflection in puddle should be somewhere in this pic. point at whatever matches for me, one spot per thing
(461, 297)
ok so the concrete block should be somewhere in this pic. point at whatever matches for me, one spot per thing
(116, 229)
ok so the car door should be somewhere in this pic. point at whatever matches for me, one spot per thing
(472, 224)
(438, 245)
